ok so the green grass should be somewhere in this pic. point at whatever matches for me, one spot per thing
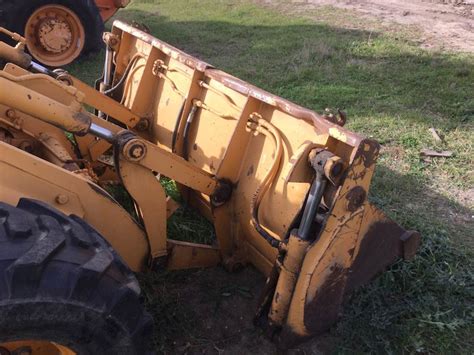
(186, 224)
(392, 91)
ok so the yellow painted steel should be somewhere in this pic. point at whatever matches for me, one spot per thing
(36, 347)
(72, 118)
(24, 175)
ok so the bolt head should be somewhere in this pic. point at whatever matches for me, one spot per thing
(62, 199)
(134, 150)
(11, 114)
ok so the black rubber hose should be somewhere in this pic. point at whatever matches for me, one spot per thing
(187, 127)
(256, 223)
(176, 126)
(122, 79)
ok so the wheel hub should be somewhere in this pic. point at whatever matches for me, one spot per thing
(55, 35)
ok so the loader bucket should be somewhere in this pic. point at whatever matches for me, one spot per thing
(286, 188)
(211, 118)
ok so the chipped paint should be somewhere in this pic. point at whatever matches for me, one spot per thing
(338, 134)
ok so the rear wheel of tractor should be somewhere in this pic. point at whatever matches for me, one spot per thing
(58, 31)
(63, 287)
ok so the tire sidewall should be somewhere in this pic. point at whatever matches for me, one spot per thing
(80, 329)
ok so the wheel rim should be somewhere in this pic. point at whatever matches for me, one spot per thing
(34, 347)
(54, 35)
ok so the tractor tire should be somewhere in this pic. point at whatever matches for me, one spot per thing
(61, 282)
(14, 15)
(6, 8)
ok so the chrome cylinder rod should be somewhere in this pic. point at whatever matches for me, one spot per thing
(102, 132)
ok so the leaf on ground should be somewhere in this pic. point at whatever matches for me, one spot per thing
(436, 154)
(435, 135)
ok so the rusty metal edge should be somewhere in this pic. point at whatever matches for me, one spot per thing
(320, 122)
(166, 48)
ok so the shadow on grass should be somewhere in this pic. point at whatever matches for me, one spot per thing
(425, 305)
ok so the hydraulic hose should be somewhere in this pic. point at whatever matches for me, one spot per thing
(267, 129)
(125, 74)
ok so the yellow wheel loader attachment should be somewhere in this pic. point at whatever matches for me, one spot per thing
(285, 188)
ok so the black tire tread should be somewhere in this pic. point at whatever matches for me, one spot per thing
(45, 247)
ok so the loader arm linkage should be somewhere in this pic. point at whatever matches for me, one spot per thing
(285, 188)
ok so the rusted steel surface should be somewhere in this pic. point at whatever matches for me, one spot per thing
(381, 246)
(355, 198)
(326, 307)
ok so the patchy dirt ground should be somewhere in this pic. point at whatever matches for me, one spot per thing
(443, 24)
(211, 312)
